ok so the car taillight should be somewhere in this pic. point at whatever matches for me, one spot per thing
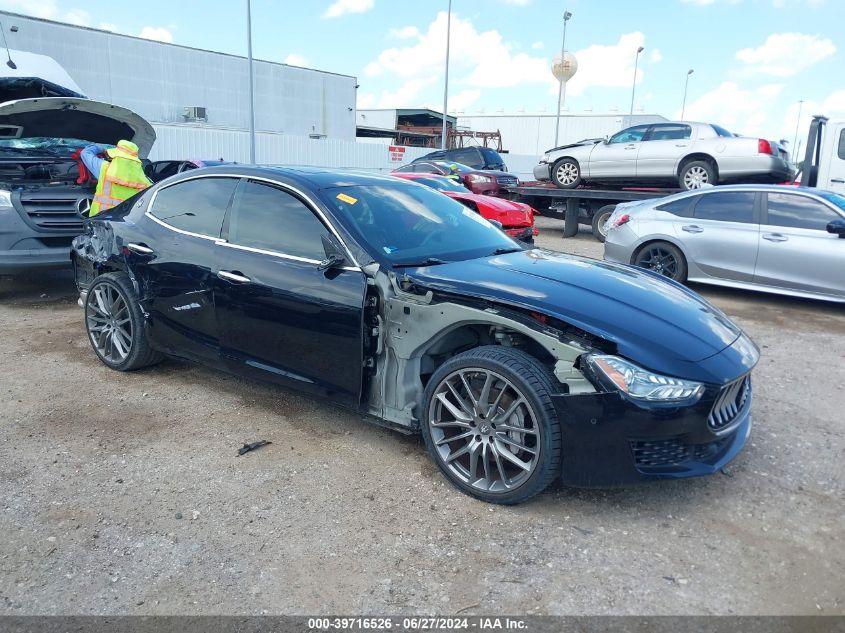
(622, 219)
(764, 147)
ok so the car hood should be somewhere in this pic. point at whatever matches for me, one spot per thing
(69, 117)
(653, 321)
(584, 143)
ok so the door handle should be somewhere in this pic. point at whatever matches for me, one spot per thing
(775, 237)
(681, 145)
(630, 147)
(692, 228)
(233, 276)
(841, 181)
(140, 249)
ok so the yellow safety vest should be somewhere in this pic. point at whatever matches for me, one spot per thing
(120, 178)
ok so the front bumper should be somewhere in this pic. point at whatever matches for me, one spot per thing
(13, 261)
(542, 171)
(611, 442)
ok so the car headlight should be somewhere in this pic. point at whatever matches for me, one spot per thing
(641, 384)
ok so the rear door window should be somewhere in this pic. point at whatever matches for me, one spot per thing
(734, 206)
(468, 156)
(196, 206)
(798, 212)
(268, 218)
(669, 132)
(682, 207)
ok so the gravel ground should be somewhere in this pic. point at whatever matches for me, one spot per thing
(122, 493)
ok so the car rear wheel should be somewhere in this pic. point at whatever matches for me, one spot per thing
(566, 173)
(663, 258)
(490, 425)
(115, 324)
(697, 173)
(600, 218)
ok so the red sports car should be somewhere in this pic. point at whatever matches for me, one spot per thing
(516, 218)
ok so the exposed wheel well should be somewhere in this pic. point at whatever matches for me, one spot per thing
(694, 157)
(467, 337)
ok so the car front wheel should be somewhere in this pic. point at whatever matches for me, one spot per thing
(490, 425)
(115, 324)
(566, 173)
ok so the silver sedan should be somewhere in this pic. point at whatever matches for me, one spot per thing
(787, 240)
(682, 153)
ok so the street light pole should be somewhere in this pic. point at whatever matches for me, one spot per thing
(634, 86)
(566, 16)
(446, 83)
(251, 86)
(795, 140)
(686, 85)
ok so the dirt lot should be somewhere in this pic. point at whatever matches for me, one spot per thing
(121, 493)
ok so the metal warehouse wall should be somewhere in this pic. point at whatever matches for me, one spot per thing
(106, 66)
(197, 142)
(533, 134)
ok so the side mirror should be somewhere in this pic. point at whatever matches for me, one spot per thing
(497, 224)
(334, 258)
(606, 140)
(837, 227)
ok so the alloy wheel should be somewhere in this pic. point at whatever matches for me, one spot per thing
(695, 177)
(109, 322)
(484, 430)
(659, 260)
(567, 173)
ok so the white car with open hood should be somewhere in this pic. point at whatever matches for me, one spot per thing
(42, 124)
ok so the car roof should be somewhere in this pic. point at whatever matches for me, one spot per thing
(314, 177)
(745, 187)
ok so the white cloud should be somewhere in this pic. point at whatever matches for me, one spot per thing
(478, 59)
(79, 17)
(656, 56)
(158, 33)
(48, 10)
(294, 59)
(404, 33)
(740, 110)
(407, 95)
(608, 66)
(344, 7)
(832, 106)
(461, 101)
(537, 45)
(785, 54)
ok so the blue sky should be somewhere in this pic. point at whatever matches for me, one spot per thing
(753, 59)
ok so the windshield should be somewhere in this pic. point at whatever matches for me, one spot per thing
(442, 184)
(833, 198)
(404, 224)
(52, 146)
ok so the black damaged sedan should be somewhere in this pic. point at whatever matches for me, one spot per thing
(518, 366)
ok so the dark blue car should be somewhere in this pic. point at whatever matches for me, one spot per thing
(517, 365)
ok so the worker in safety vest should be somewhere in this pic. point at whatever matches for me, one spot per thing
(454, 173)
(119, 176)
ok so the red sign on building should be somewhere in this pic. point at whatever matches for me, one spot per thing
(397, 153)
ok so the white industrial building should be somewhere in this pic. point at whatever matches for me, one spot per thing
(533, 134)
(198, 100)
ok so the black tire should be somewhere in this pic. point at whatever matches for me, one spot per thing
(571, 218)
(519, 374)
(566, 173)
(663, 258)
(695, 173)
(599, 218)
(103, 317)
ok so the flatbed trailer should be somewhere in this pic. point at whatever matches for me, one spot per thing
(583, 205)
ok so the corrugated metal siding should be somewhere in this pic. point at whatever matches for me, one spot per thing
(533, 134)
(186, 142)
(159, 80)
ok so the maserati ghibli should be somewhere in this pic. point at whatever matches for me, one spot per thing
(519, 366)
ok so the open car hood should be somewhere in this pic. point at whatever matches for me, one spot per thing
(71, 117)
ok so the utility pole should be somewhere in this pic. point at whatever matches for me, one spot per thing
(795, 140)
(686, 85)
(251, 84)
(566, 16)
(446, 83)
(634, 86)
